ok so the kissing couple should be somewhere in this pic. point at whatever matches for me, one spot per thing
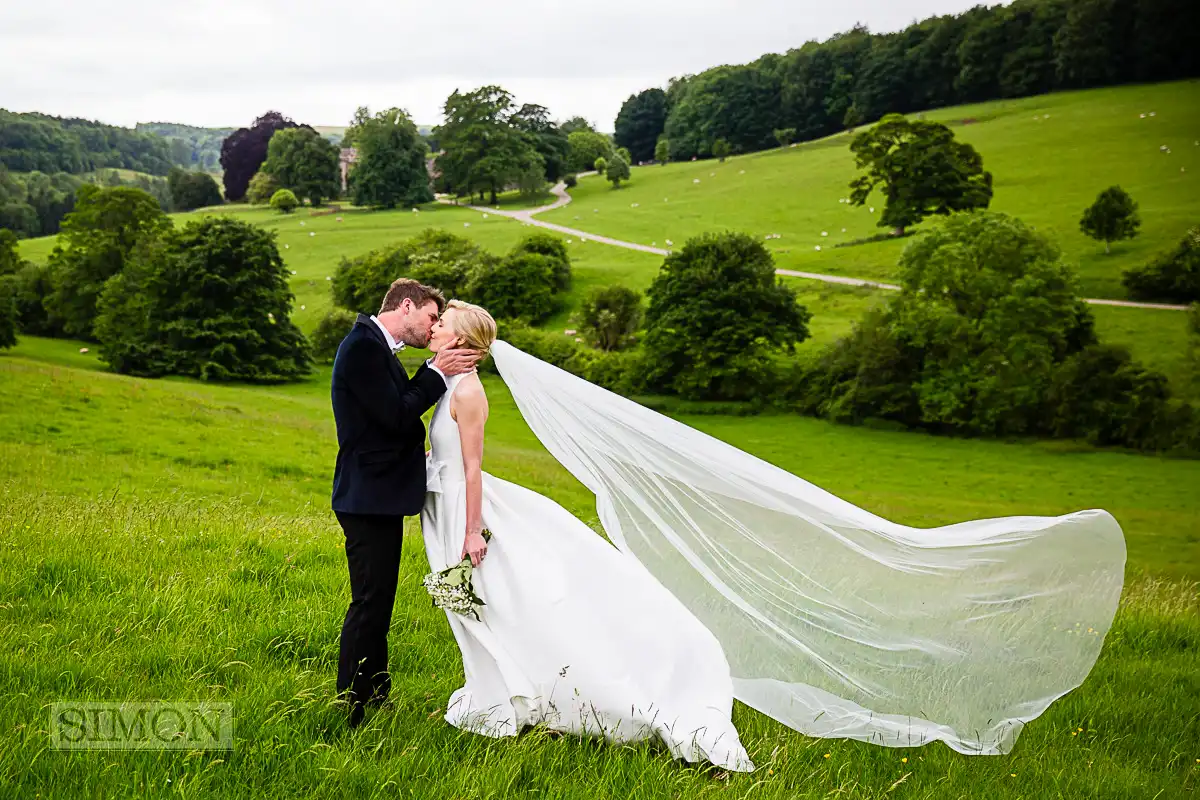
(722, 575)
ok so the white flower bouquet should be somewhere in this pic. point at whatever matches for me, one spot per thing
(451, 588)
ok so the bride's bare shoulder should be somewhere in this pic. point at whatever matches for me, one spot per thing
(469, 396)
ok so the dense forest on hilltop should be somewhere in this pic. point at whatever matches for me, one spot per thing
(190, 147)
(39, 142)
(1025, 48)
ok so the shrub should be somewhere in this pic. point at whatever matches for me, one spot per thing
(553, 248)
(662, 150)
(624, 155)
(610, 316)
(8, 311)
(1102, 395)
(618, 170)
(433, 257)
(329, 333)
(570, 181)
(600, 165)
(210, 301)
(519, 286)
(785, 136)
(1172, 276)
(192, 190)
(716, 311)
(263, 187)
(10, 256)
(617, 372)
(284, 201)
(720, 149)
(869, 374)
(31, 285)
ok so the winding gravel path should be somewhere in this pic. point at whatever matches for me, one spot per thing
(562, 198)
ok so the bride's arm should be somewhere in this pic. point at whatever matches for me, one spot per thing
(471, 411)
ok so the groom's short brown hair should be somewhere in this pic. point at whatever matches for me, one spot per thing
(408, 289)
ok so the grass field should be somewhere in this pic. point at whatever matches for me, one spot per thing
(1050, 155)
(167, 539)
(172, 540)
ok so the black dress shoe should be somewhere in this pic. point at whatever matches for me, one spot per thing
(357, 712)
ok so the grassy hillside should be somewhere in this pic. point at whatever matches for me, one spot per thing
(166, 539)
(1050, 155)
(1157, 337)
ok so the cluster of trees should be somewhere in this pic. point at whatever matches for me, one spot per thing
(1023, 48)
(244, 151)
(192, 190)
(1172, 276)
(191, 148)
(39, 142)
(274, 155)
(34, 204)
(210, 300)
(527, 283)
(390, 170)
(988, 337)
(490, 143)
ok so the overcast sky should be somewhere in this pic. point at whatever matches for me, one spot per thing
(225, 62)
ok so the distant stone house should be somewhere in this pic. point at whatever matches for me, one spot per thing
(348, 156)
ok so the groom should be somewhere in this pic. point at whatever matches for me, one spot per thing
(379, 477)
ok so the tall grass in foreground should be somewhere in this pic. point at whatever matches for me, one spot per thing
(113, 599)
(168, 540)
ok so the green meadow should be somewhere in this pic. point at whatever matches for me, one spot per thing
(169, 539)
(172, 540)
(1050, 156)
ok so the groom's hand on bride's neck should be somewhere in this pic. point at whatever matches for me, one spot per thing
(456, 362)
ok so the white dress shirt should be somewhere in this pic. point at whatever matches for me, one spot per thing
(398, 346)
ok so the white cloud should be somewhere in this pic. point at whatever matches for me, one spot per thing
(222, 63)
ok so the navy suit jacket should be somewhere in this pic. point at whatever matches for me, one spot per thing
(381, 439)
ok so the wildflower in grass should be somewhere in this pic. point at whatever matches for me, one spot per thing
(312, 233)
(904, 760)
(827, 755)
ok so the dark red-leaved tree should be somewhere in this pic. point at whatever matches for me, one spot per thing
(245, 150)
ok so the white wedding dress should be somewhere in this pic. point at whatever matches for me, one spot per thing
(576, 636)
(725, 569)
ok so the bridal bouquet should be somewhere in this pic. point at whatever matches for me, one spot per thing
(451, 588)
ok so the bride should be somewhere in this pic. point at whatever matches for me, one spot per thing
(728, 577)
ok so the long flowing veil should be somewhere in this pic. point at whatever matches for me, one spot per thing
(836, 622)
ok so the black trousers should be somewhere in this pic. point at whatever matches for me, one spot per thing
(373, 555)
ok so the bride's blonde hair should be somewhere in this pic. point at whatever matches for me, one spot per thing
(474, 325)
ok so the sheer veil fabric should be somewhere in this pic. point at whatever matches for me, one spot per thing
(834, 621)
